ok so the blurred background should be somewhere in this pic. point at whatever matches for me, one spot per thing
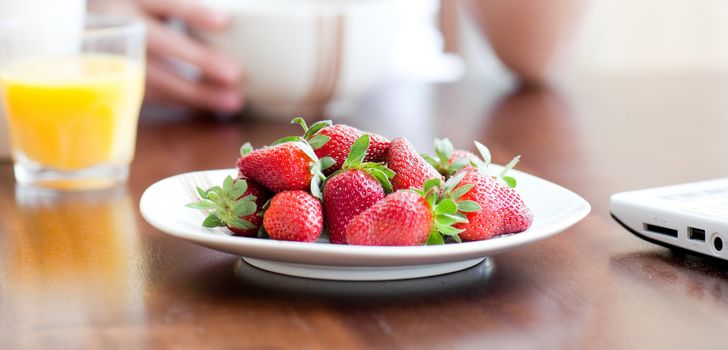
(600, 42)
(623, 37)
(596, 38)
(653, 37)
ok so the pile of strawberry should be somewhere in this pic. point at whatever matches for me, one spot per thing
(364, 190)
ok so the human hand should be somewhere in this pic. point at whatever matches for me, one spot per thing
(216, 87)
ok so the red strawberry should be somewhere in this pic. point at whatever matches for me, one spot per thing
(335, 141)
(411, 169)
(294, 216)
(411, 217)
(449, 160)
(234, 205)
(501, 208)
(291, 165)
(402, 218)
(354, 188)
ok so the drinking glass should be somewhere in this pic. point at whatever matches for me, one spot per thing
(72, 100)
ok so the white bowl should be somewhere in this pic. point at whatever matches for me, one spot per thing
(162, 205)
(303, 55)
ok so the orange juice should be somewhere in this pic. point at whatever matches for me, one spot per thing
(73, 113)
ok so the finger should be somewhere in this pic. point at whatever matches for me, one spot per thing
(196, 15)
(164, 41)
(164, 85)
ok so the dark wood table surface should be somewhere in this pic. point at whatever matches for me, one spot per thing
(86, 271)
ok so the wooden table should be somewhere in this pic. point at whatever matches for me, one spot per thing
(88, 272)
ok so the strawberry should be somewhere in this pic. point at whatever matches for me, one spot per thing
(502, 209)
(234, 205)
(288, 165)
(354, 188)
(402, 218)
(449, 160)
(411, 169)
(335, 141)
(411, 217)
(293, 216)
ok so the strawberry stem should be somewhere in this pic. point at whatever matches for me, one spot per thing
(316, 127)
(355, 160)
(226, 204)
(309, 133)
(484, 153)
(443, 161)
(300, 121)
(357, 153)
(446, 210)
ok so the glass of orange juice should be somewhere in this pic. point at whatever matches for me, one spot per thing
(72, 101)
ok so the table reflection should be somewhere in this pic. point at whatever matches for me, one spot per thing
(690, 276)
(72, 259)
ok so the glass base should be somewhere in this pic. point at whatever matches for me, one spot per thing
(93, 178)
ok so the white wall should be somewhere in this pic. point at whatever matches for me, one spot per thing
(654, 36)
(630, 37)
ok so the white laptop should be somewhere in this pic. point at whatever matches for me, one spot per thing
(692, 217)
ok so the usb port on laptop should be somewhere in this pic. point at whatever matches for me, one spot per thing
(661, 230)
(696, 234)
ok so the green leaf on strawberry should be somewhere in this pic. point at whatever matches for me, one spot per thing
(326, 162)
(444, 149)
(449, 219)
(510, 181)
(458, 164)
(446, 210)
(212, 221)
(468, 206)
(318, 141)
(453, 182)
(430, 184)
(286, 139)
(355, 160)
(447, 161)
(202, 205)
(382, 176)
(245, 149)
(309, 132)
(225, 204)
(460, 191)
(446, 206)
(357, 152)
(435, 238)
(484, 153)
(316, 127)
(447, 229)
(317, 169)
(430, 160)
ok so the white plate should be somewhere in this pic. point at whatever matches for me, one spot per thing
(163, 206)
